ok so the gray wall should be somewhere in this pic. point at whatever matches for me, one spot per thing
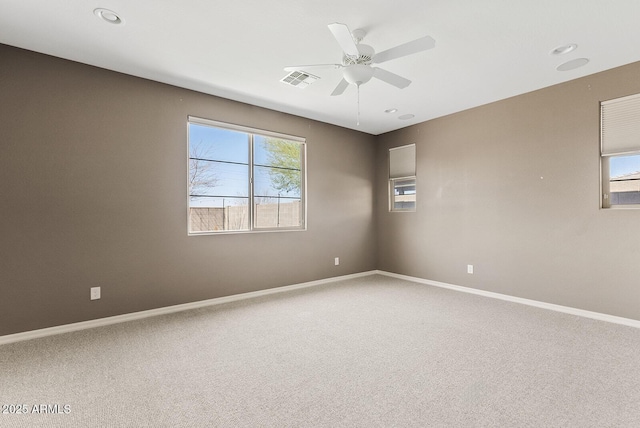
(513, 188)
(93, 190)
(93, 168)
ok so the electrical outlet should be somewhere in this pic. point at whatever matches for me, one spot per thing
(470, 269)
(95, 293)
(337, 261)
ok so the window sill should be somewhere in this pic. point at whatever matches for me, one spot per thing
(244, 232)
(621, 208)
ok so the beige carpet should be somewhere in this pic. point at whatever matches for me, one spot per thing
(369, 352)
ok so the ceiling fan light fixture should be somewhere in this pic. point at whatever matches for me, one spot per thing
(358, 74)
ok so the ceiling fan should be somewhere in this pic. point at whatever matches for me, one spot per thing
(358, 58)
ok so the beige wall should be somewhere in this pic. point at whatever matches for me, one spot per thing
(93, 168)
(513, 188)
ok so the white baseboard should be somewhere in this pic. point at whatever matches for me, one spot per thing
(550, 306)
(50, 331)
(34, 334)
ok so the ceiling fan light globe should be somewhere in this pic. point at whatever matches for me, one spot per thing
(358, 74)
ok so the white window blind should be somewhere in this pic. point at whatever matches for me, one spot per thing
(620, 125)
(402, 161)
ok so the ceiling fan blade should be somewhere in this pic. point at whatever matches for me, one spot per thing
(340, 88)
(409, 48)
(305, 67)
(345, 40)
(391, 78)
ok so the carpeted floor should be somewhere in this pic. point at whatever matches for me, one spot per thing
(368, 352)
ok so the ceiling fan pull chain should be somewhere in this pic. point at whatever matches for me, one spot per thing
(358, 118)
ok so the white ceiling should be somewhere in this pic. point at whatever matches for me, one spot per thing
(486, 50)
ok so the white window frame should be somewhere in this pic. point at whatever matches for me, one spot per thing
(402, 169)
(619, 136)
(251, 214)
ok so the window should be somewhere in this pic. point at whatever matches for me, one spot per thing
(403, 194)
(620, 152)
(242, 179)
(402, 178)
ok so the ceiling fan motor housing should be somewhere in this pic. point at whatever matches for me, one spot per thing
(365, 56)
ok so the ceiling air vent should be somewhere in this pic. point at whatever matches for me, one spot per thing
(299, 79)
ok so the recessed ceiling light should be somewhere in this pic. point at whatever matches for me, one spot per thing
(561, 50)
(391, 110)
(406, 116)
(573, 64)
(108, 16)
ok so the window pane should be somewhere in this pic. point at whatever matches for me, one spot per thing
(624, 184)
(269, 181)
(404, 195)
(277, 152)
(218, 179)
(277, 182)
(277, 212)
(277, 167)
(210, 214)
(206, 142)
